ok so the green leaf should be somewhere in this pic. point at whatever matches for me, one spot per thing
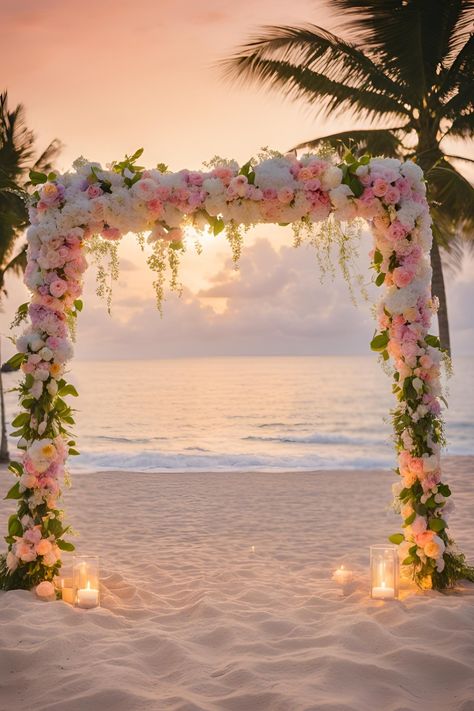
(16, 360)
(380, 279)
(413, 550)
(29, 380)
(78, 305)
(14, 526)
(136, 155)
(74, 452)
(14, 492)
(378, 257)
(37, 178)
(396, 538)
(355, 185)
(56, 527)
(437, 524)
(18, 433)
(444, 490)
(52, 176)
(431, 340)
(21, 419)
(16, 468)
(380, 342)
(65, 546)
(410, 518)
(408, 560)
(68, 390)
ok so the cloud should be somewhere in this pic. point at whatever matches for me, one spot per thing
(276, 304)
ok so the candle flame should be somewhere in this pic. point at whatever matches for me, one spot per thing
(88, 586)
(383, 583)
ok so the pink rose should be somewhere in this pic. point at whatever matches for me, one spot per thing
(380, 187)
(111, 233)
(45, 590)
(94, 191)
(269, 194)
(58, 288)
(155, 206)
(224, 173)
(43, 547)
(392, 195)
(286, 195)
(418, 526)
(402, 277)
(396, 231)
(423, 538)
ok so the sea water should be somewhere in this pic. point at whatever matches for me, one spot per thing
(255, 413)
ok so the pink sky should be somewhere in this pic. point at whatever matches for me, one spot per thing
(108, 77)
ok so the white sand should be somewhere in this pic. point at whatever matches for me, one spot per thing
(195, 618)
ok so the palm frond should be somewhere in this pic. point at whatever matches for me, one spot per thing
(412, 39)
(313, 48)
(44, 164)
(17, 265)
(452, 198)
(375, 141)
(323, 93)
(462, 126)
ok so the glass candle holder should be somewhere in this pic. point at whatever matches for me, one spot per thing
(384, 572)
(85, 581)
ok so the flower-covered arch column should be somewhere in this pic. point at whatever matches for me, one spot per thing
(95, 205)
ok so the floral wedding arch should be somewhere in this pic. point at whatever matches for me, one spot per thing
(69, 211)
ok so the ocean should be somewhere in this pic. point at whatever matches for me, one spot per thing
(255, 413)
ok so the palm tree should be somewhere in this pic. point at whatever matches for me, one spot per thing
(17, 150)
(406, 66)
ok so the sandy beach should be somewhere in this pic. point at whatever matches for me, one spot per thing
(217, 595)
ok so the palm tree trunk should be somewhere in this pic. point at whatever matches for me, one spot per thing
(437, 287)
(4, 456)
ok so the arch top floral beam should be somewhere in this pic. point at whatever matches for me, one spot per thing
(67, 211)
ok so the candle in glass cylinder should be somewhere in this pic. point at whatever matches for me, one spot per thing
(67, 590)
(342, 576)
(86, 581)
(87, 597)
(383, 572)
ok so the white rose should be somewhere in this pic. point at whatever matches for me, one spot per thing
(12, 561)
(46, 353)
(52, 388)
(331, 178)
(36, 389)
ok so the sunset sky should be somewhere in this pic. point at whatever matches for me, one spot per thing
(108, 77)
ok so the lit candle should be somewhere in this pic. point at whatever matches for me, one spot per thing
(342, 576)
(87, 597)
(67, 591)
(383, 592)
